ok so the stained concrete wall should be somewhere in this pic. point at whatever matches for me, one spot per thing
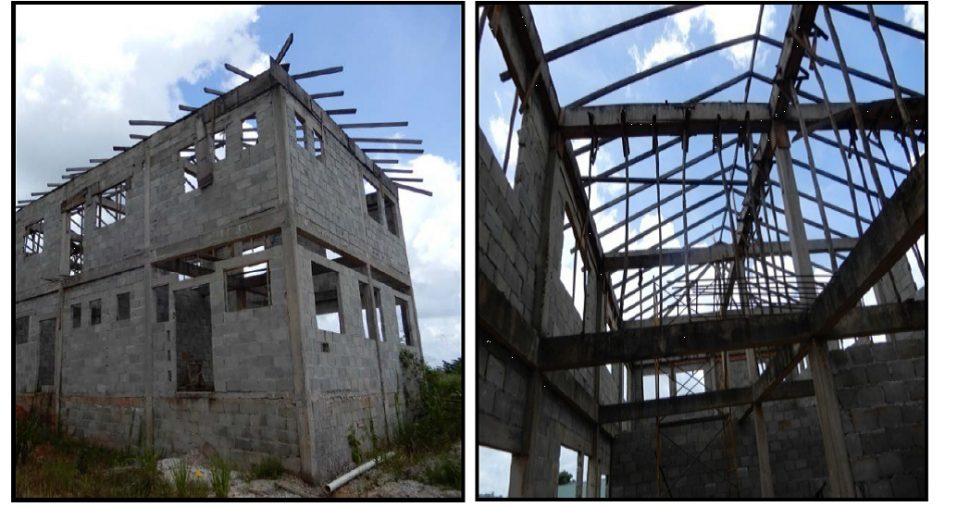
(882, 396)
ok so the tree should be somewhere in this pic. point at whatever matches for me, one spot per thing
(565, 477)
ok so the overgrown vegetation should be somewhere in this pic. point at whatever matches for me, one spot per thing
(435, 430)
(51, 464)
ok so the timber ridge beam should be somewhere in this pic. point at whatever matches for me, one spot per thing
(723, 117)
(712, 336)
(800, 23)
(718, 252)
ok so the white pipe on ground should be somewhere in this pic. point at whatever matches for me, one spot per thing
(351, 475)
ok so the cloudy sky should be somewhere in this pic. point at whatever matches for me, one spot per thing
(620, 56)
(83, 71)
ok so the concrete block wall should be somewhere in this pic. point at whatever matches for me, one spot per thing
(242, 428)
(243, 184)
(28, 354)
(328, 195)
(105, 359)
(881, 389)
(882, 392)
(355, 383)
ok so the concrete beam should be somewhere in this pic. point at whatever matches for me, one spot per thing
(646, 259)
(897, 227)
(706, 337)
(725, 117)
(692, 403)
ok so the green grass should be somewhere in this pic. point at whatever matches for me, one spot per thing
(267, 468)
(53, 465)
(221, 472)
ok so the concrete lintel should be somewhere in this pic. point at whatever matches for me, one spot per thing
(724, 117)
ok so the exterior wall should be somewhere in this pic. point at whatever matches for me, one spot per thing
(355, 383)
(119, 378)
(882, 395)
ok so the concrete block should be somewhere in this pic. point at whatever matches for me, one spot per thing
(877, 372)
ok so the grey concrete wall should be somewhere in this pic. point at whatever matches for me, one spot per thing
(109, 369)
(881, 390)
(355, 383)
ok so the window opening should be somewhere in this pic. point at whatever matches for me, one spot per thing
(326, 297)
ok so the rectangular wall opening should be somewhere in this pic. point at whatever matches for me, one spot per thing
(250, 131)
(112, 205)
(390, 214)
(299, 125)
(317, 144)
(76, 316)
(75, 220)
(22, 329)
(372, 200)
(572, 270)
(494, 472)
(650, 386)
(247, 287)
(190, 172)
(34, 238)
(161, 303)
(193, 339)
(403, 321)
(95, 312)
(124, 306)
(366, 308)
(690, 382)
(379, 315)
(568, 474)
(326, 298)
(219, 145)
(45, 364)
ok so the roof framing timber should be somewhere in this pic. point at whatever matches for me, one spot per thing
(722, 117)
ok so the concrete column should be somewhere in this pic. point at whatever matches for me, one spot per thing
(304, 406)
(760, 435)
(830, 420)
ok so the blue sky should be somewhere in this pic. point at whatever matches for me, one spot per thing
(83, 71)
(610, 60)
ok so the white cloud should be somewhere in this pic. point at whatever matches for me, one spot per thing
(915, 16)
(728, 22)
(432, 231)
(498, 131)
(723, 21)
(669, 46)
(84, 71)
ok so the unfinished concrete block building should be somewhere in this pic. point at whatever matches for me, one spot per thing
(236, 281)
(735, 353)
